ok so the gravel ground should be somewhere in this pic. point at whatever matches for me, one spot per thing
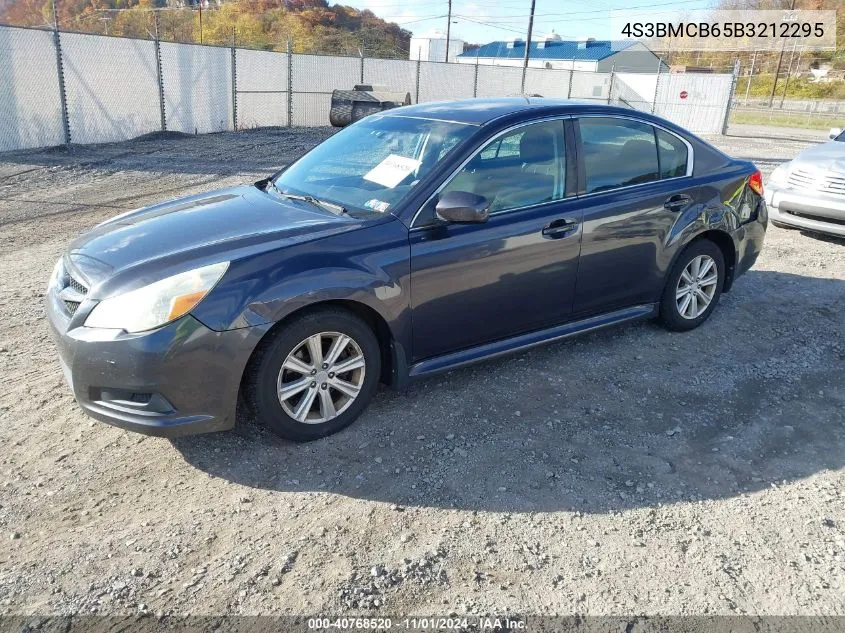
(628, 471)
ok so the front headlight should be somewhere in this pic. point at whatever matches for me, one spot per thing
(779, 175)
(158, 303)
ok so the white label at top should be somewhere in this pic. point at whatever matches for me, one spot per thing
(392, 170)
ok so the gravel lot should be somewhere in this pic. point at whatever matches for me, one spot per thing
(628, 471)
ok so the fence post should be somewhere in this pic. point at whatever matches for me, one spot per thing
(159, 75)
(61, 75)
(234, 83)
(569, 90)
(475, 80)
(610, 88)
(734, 77)
(417, 93)
(290, 84)
(362, 62)
(656, 85)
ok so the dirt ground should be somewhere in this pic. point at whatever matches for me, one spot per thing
(629, 471)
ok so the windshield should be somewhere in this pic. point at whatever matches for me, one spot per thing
(372, 165)
(840, 137)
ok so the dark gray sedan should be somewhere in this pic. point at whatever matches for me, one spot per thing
(412, 242)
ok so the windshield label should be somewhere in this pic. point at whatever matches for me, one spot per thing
(377, 205)
(392, 170)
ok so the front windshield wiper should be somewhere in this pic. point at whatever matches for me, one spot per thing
(331, 206)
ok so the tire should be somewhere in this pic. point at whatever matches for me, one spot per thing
(293, 418)
(670, 310)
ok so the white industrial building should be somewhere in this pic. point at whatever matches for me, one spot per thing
(431, 47)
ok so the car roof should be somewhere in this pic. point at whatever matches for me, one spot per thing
(481, 111)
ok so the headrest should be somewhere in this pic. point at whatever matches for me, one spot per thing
(537, 146)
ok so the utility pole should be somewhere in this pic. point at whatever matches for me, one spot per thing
(200, 21)
(448, 29)
(789, 73)
(780, 61)
(528, 46)
(750, 77)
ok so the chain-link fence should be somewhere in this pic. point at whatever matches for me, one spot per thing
(58, 87)
(31, 110)
(803, 113)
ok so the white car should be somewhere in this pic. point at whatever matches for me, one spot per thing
(808, 192)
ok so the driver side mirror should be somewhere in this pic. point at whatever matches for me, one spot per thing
(834, 132)
(463, 207)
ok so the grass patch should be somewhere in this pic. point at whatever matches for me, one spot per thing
(785, 119)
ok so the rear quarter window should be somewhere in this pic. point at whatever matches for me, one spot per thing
(673, 155)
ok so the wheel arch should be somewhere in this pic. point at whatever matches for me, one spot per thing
(724, 242)
(393, 360)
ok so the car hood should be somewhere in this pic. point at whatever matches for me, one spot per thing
(828, 156)
(203, 227)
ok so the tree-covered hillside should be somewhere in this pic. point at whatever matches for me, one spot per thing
(311, 25)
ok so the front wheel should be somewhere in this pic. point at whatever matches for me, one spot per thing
(315, 375)
(693, 287)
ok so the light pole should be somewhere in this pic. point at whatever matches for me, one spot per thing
(448, 29)
(528, 46)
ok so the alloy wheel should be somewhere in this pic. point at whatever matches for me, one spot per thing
(321, 377)
(696, 286)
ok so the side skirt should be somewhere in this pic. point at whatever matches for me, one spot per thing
(454, 360)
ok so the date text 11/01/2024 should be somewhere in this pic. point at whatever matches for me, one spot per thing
(480, 623)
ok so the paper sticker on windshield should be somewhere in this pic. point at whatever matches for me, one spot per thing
(377, 205)
(392, 170)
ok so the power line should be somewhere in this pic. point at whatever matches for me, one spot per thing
(495, 26)
(422, 19)
(571, 13)
(389, 3)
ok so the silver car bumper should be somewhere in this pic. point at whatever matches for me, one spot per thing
(806, 209)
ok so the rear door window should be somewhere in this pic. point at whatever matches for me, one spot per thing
(617, 153)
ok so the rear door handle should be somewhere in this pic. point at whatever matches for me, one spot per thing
(677, 202)
(560, 228)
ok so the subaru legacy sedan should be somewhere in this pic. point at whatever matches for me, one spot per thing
(413, 242)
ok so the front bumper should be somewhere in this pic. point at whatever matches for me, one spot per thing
(180, 379)
(806, 209)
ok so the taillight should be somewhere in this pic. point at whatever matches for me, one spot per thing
(756, 182)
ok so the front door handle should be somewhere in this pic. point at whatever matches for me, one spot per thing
(560, 228)
(677, 202)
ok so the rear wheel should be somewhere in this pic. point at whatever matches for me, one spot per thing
(315, 375)
(693, 287)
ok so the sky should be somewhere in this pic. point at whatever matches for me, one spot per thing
(482, 21)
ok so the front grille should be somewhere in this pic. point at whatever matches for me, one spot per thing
(73, 283)
(71, 292)
(71, 306)
(824, 182)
